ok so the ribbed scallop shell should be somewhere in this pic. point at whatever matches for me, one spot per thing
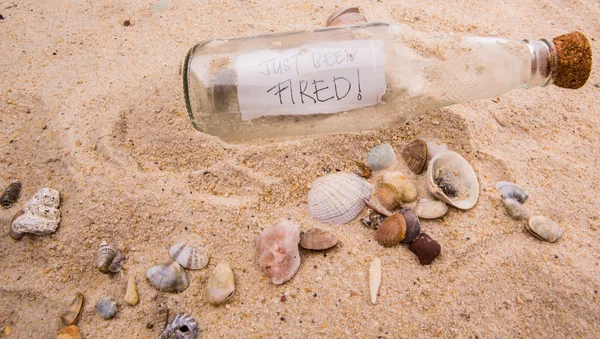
(317, 239)
(468, 186)
(168, 277)
(415, 155)
(71, 313)
(338, 198)
(391, 231)
(220, 285)
(183, 326)
(381, 157)
(512, 191)
(188, 256)
(544, 228)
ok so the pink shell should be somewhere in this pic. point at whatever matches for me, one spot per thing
(278, 253)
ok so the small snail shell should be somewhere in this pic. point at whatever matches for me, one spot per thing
(109, 258)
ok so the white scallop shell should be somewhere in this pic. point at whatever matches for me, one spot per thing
(338, 198)
(188, 256)
(465, 174)
(168, 277)
(41, 215)
(381, 157)
(544, 228)
(431, 209)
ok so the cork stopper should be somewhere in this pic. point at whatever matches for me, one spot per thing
(574, 60)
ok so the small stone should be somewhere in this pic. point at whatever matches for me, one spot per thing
(69, 332)
(7, 331)
(519, 300)
(425, 248)
(107, 307)
(127, 23)
(131, 295)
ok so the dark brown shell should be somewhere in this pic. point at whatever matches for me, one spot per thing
(413, 226)
(317, 239)
(11, 194)
(391, 231)
(346, 16)
(388, 196)
(425, 248)
(415, 155)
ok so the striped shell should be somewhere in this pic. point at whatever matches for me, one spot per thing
(188, 256)
(109, 259)
(317, 239)
(345, 16)
(73, 310)
(338, 198)
(391, 231)
(183, 326)
(168, 277)
(544, 228)
(415, 155)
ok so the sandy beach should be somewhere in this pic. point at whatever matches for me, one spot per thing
(95, 109)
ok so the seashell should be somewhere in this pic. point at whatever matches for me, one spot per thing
(345, 16)
(73, 310)
(278, 253)
(40, 215)
(374, 279)
(434, 148)
(413, 226)
(405, 187)
(221, 284)
(363, 170)
(415, 155)
(10, 194)
(544, 228)
(373, 220)
(425, 248)
(317, 239)
(512, 191)
(515, 208)
(381, 157)
(431, 209)
(338, 198)
(69, 332)
(168, 277)
(183, 326)
(160, 319)
(388, 196)
(107, 307)
(188, 256)
(131, 294)
(451, 179)
(109, 258)
(391, 231)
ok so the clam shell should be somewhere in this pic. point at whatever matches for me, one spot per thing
(467, 189)
(220, 285)
(107, 307)
(109, 258)
(73, 310)
(515, 208)
(374, 279)
(512, 191)
(168, 277)
(391, 231)
(413, 226)
(278, 255)
(405, 187)
(381, 157)
(426, 248)
(345, 16)
(338, 198)
(388, 196)
(415, 155)
(431, 209)
(317, 239)
(183, 326)
(188, 256)
(544, 228)
(10, 194)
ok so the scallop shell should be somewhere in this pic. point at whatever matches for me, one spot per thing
(188, 256)
(462, 174)
(168, 277)
(278, 255)
(415, 155)
(220, 285)
(388, 196)
(338, 198)
(10, 194)
(381, 157)
(317, 239)
(374, 279)
(73, 310)
(182, 326)
(544, 228)
(40, 215)
(512, 191)
(109, 258)
(405, 187)
(391, 231)
(515, 208)
(345, 16)
(431, 209)
(107, 307)
(413, 225)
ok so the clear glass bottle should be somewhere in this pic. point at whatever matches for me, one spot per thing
(365, 77)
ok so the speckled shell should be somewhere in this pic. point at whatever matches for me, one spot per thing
(168, 277)
(431, 209)
(183, 326)
(381, 157)
(73, 310)
(391, 231)
(40, 216)
(345, 16)
(107, 307)
(544, 228)
(10, 194)
(220, 285)
(512, 191)
(413, 225)
(278, 254)
(338, 198)
(515, 208)
(415, 155)
(466, 176)
(109, 258)
(188, 256)
(317, 239)
(388, 196)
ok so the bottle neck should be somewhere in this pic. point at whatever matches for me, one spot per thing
(543, 63)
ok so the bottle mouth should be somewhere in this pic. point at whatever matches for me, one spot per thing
(543, 63)
(573, 60)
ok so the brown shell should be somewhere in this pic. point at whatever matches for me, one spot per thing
(413, 226)
(388, 196)
(317, 239)
(73, 310)
(415, 155)
(391, 231)
(346, 16)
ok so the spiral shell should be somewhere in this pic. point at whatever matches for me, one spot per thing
(508, 190)
(317, 239)
(413, 226)
(220, 285)
(544, 228)
(381, 157)
(73, 310)
(451, 179)
(168, 277)
(415, 155)
(183, 326)
(338, 198)
(10, 194)
(391, 231)
(345, 16)
(431, 209)
(109, 258)
(188, 256)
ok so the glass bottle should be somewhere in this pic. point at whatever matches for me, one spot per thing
(364, 77)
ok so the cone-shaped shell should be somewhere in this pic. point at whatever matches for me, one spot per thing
(220, 285)
(73, 310)
(512, 191)
(467, 190)
(338, 198)
(168, 277)
(544, 228)
(317, 239)
(381, 157)
(183, 326)
(345, 16)
(391, 231)
(109, 258)
(188, 256)
(278, 255)
(415, 155)
(388, 196)
(413, 226)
